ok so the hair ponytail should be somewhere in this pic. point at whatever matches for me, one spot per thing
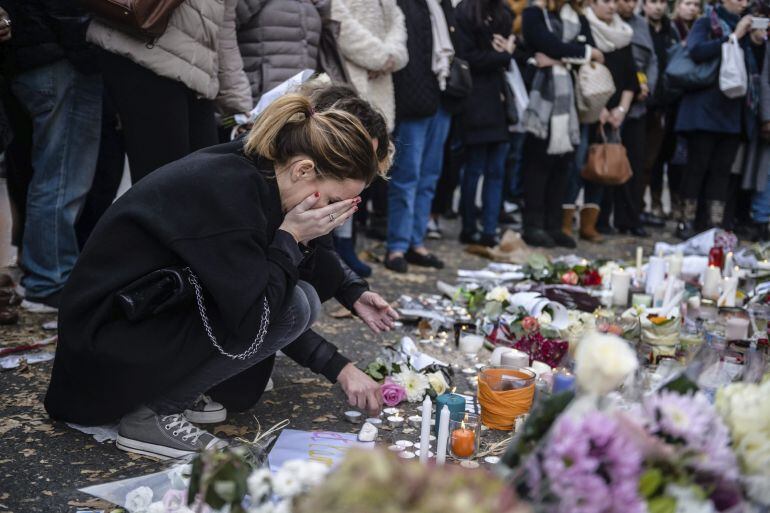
(336, 141)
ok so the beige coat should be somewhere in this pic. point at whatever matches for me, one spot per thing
(199, 49)
(370, 31)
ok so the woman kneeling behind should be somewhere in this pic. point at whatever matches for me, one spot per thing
(192, 280)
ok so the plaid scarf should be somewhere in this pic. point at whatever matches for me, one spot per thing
(551, 110)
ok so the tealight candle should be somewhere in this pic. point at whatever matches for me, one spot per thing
(469, 464)
(396, 448)
(415, 421)
(514, 358)
(471, 343)
(391, 411)
(395, 422)
(430, 454)
(374, 422)
(353, 416)
(492, 460)
(406, 444)
(407, 455)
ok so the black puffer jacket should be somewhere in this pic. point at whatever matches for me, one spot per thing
(416, 88)
(45, 31)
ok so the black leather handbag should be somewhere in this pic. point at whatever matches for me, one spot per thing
(459, 83)
(155, 293)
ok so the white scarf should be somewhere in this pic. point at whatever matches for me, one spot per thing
(609, 36)
(443, 51)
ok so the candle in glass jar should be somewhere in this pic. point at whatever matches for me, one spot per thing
(463, 442)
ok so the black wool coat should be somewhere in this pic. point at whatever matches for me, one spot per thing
(218, 212)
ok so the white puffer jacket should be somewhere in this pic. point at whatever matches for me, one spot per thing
(370, 32)
(199, 49)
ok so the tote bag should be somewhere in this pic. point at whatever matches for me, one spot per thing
(594, 89)
(607, 162)
(685, 74)
(733, 80)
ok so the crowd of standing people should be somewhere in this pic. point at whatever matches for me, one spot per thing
(480, 91)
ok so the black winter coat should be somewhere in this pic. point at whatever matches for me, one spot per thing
(45, 31)
(484, 119)
(216, 211)
(416, 87)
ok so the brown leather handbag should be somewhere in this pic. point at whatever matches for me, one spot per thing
(607, 162)
(145, 18)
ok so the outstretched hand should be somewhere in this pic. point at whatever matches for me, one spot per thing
(361, 390)
(375, 312)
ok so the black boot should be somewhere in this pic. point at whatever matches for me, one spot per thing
(685, 228)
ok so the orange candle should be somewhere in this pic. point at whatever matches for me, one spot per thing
(463, 442)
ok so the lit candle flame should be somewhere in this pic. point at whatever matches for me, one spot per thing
(453, 389)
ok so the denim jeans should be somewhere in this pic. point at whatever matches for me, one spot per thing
(575, 182)
(299, 314)
(760, 204)
(513, 164)
(66, 108)
(416, 169)
(489, 160)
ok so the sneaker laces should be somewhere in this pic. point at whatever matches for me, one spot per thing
(182, 425)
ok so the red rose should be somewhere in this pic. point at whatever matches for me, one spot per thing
(570, 278)
(530, 324)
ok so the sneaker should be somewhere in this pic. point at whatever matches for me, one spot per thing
(38, 308)
(434, 231)
(206, 411)
(163, 436)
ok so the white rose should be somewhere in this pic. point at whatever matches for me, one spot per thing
(139, 499)
(602, 362)
(544, 318)
(437, 382)
(499, 294)
(259, 484)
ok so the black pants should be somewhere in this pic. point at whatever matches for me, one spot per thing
(629, 200)
(18, 161)
(162, 119)
(709, 158)
(545, 184)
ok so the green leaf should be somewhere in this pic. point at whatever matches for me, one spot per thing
(682, 385)
(662, 504)
(650, 482)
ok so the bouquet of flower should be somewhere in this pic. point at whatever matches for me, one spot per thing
(744, 408)
(401, 382)
(539, 268)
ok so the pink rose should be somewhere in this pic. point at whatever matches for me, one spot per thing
(175, 500)
(529, 324)
(392, 393)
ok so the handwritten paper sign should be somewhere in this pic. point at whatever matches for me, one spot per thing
(325, 447)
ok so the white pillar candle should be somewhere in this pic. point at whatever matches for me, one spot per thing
(737, 329)
(675, 265)
(443, 435)
(639, 255)
(728, 266)
(514, 358)
(471, 343)
(729, 289)
(425, 430)
(656, 273)
(620, 283)
(711, 280)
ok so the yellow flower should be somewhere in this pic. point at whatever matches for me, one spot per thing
(437, 382)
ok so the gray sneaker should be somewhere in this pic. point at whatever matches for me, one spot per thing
(206, 411)
(163, 436)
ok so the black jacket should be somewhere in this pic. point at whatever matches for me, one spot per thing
(484, 119)
(45, 31)
(416, 87)
(216, 211)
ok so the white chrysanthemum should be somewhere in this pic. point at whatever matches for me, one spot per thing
(414, 383)
(286, 483)
(499, 294)
(260, 485)
(139, 499)
(602, 362)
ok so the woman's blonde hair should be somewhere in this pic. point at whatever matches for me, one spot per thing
(335, 140)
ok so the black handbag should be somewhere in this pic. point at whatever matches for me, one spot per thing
(155, 293)
(459, 83)
(511, 112)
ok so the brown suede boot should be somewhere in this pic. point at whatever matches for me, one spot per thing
(567, 219)
(588, 216)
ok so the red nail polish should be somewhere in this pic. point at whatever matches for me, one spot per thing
(317, 194)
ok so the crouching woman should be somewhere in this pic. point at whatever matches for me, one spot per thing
(192, 279)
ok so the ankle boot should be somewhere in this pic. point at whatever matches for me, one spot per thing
(685, 228)
(588, 216)
(716, 213)
(567, 219)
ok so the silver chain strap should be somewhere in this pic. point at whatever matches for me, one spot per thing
(263, 323)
